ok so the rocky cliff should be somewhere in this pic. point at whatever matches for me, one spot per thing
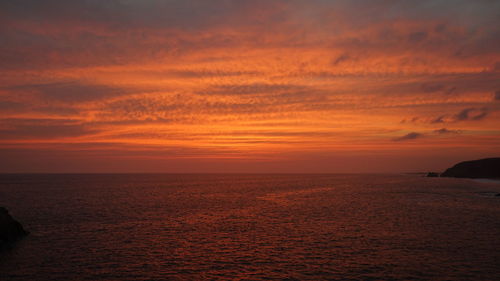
(10, 229)
(484, 168)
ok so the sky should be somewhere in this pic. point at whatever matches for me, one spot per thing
(299, 86)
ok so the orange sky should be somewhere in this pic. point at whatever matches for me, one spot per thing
(248, 86)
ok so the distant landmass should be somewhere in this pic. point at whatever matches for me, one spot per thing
(488, 168)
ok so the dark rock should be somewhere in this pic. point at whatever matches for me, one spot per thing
(10, 229)
(498, 195)
(488, 168)
(432, 175)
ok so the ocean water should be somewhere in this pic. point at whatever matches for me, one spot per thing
(251, 227)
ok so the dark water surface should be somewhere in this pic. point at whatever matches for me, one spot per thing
(251, 227)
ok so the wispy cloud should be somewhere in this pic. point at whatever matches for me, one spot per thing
(409, 136)
(249, 77)
(473, 114)
(71, 92)
(36, 129)
(445, 131)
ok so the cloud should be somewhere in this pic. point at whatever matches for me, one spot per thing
(467, 114)
(19, 128)
(445, 131)
(187, 14)
(11, 106)
(473, 114)
(415, 135)
(431, 87)
(496, 67)
(463, 115)
(118, 31)
(450, 90)
(70, 92)
(437, 87)
(342, 58)
(199, 74)
(409, 136)
(255, 88)
(439, 119)
(416, 37)
(56, 110)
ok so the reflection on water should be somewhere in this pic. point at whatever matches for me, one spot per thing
(248, 227)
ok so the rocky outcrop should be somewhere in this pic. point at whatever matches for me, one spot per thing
(10, 229)
(432, 175)
(488, 168)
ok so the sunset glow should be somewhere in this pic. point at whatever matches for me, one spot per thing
(247, 86)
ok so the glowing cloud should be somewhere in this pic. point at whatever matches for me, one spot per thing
(247, 85)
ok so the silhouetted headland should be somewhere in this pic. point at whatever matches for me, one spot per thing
(488, 168)
(10, 229)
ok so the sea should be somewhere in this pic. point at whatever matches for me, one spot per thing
(251, 227)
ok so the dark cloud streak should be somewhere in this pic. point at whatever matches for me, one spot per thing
(70, 92)
(445, 131)
(473, 114)
(14, 129)
(409, 136)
